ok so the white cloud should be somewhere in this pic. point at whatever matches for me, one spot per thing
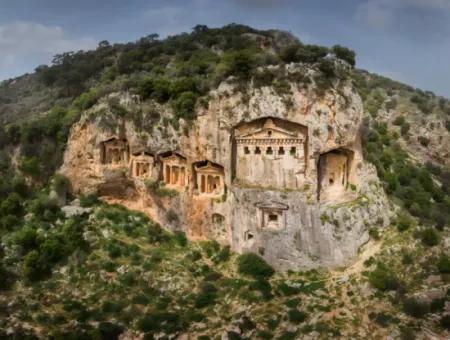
(21, 40)
(381, 14)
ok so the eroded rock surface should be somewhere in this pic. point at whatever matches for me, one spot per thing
(281, 175)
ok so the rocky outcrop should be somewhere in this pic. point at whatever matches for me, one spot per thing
(313, 203)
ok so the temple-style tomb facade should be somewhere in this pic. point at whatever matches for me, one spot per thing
(210, 179)
(174, 170)
(270, 153)
(115, 151)
(142, 164)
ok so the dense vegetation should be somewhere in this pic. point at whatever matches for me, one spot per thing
(411, 184)
(111, 269)
(178, 70)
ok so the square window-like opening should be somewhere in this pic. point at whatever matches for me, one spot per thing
(281, 151)
(273, 218)
(293, 151)
(269, 150)
(257, 150)
(246, 150)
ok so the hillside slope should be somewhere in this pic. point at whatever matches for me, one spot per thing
(72, 266)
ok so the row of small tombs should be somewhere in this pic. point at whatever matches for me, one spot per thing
(283, 160)
(208, 177)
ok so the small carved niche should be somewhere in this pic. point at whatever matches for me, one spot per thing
(249, 238)
(273, 215)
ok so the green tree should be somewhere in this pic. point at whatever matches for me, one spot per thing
(253, 265)
(344, 53)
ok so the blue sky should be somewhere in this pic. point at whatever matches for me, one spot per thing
(407, 40)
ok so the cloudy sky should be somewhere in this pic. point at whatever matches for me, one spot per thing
(408, 40)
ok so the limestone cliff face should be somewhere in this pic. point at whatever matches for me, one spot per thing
(278, 174)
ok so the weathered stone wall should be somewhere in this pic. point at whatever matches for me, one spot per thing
(290, 228)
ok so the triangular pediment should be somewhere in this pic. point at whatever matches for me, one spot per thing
(174, 157)
(209, 167)
(275, 133)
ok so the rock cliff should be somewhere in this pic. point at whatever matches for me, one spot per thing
(277, 173)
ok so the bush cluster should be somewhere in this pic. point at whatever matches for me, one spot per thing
(384, 279)
(410, 183)
(255, 266)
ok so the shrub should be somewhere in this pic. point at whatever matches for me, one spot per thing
(210, 247)
(443, 264)
(184, 106)
(288, 290)
(12, 205)
(155, 233)
(87, 99)
(194, 256)
(327, 68)
(400, 120)
(222, 256)
(253, 265)
(169, 322)
(239, 64)
(180, 238)
(297, 316)
(445, 322)
(424, 141)
(110, 330)
(292, 303)
(405, 129)
(207, 295)
(384, 279)
(60, 183)
(33, 267)
(415, 307)
(391, 104)
(158, 189)
(31, 166)
(89, 200)
(289, 53)
(263, 286)
(146, 88)
(10, 222)
(26, 238)
(311, 53)
(161, 90)
(114, 249)
(5, 278)
(52, 250)
(374, 233)
(429, 237)
(404, 221)
(345, 54)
